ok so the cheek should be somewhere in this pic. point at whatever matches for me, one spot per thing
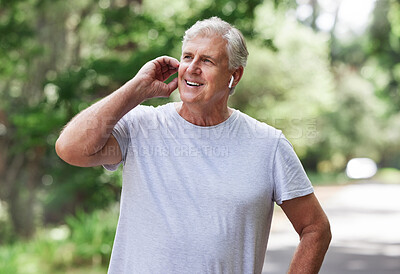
(181, 71)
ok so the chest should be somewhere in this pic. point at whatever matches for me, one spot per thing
(208, 170)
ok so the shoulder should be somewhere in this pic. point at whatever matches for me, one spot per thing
(257, 128)
(145, 112)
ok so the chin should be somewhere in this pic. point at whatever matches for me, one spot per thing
(188, 98)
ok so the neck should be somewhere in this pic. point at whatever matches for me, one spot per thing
(203, 116)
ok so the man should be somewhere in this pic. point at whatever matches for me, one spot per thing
(199, 178)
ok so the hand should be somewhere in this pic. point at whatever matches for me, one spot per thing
(152, 75)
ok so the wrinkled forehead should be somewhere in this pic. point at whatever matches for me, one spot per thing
(214, 45)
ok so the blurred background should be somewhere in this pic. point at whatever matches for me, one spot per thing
(325, 72)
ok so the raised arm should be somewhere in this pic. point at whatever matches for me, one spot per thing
(87, 140)
(312, 225)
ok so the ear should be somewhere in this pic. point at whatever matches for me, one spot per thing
(237, 75)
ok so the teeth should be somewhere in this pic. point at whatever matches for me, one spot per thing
(193, 83)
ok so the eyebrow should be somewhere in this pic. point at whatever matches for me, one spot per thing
(209, 57)
(203, 56)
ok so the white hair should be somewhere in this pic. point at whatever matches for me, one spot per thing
(235, 46)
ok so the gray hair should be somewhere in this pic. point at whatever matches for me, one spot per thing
(235, 46)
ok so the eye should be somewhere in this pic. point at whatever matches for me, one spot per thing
(186, 57)
(207, 61)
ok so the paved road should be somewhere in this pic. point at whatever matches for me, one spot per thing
(365, 223)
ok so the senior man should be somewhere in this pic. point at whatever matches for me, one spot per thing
(199, 178)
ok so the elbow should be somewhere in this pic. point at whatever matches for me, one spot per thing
(63, 151)
(329, 234)
(60, 149)
(320, 234)
(325, 234)
(69, 154)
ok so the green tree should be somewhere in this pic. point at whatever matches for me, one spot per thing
(35, 49)
(384, 48)
(291, 87)
(19, 166)
(363, 122)
(57, 57)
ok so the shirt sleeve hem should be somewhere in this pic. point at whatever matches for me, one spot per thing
(114, 167)
(294, 194)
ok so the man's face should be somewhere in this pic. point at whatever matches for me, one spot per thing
(203, 75)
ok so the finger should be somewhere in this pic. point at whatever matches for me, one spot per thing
(168, 68)
(168, 61)
(164, 89)
(168, 74)
(165, 67)
(173, 85)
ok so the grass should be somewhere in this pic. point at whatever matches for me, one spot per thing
(388, 176)
(383, 176)
(325, 179)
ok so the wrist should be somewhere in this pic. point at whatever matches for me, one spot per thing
(127, 97)
(134, 90)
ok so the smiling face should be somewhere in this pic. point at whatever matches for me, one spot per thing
(203, 75)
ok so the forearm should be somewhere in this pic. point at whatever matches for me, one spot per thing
(89, 131)
(86, 139)
(310, 252)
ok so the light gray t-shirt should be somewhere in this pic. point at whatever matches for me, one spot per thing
(199, 199)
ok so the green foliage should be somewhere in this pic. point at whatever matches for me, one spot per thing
(328, 178)
(128, 37)
(334, 100)
(16, 34)
(7, 234)
(86, 189)
(388, 176)
(57, 58)
(84, 243)
(289, 88)
(384, 47)
(93, 235)
(9, 258)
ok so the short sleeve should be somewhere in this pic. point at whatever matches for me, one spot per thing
(121, 133)
(290, 179)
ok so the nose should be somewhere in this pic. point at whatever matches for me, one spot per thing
(194, 67)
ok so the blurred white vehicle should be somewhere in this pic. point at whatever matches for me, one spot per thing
(361, 168)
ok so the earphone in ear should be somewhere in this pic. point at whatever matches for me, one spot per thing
(231, 82)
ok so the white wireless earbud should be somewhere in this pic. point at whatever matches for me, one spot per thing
(231, 82)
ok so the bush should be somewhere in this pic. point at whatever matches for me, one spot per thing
(93, 235)
(83, 245)
(9, 258)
